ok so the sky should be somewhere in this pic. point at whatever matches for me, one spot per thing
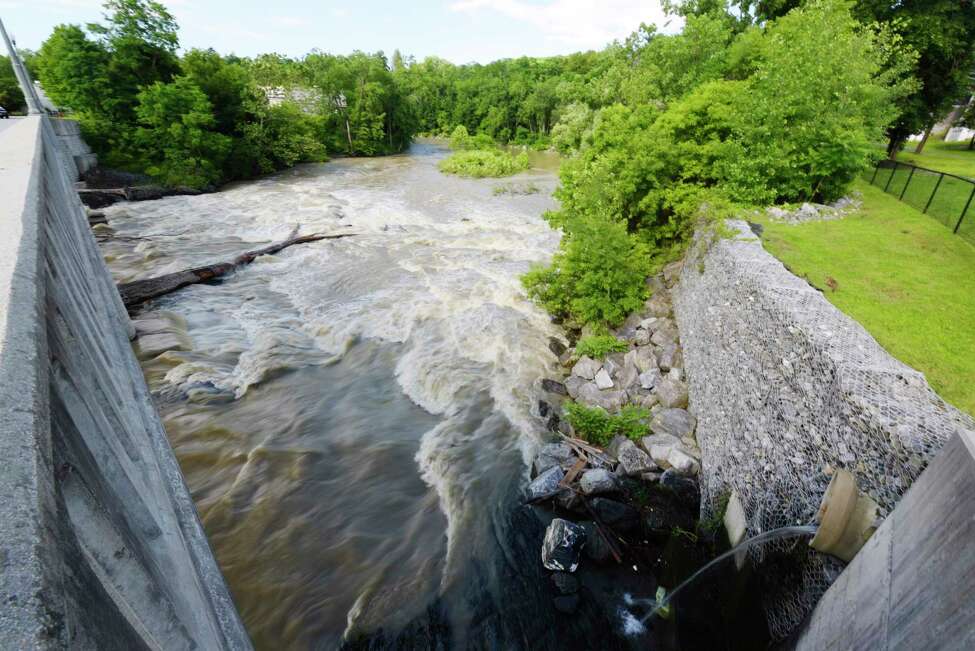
(460, 31)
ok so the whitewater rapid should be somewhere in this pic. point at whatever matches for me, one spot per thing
(424, 299)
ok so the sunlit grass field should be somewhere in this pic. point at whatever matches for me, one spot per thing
(903, 275)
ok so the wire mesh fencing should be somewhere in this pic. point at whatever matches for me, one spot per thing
(946, 197)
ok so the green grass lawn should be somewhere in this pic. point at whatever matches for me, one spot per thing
(903, 276)
(917, 188)
(951, 157)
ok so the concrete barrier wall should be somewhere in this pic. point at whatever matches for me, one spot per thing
(785, 386)
(910, 587)
(77, 153)
(100, 543)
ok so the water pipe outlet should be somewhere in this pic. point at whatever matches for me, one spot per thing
(847, 518)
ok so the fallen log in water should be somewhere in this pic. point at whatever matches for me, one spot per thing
(140, 291)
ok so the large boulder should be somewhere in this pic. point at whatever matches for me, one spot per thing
(650, 378)
(546, 485)
(659, 447)
(562, 545)
(573, 384)
(554, 454)
(664, 335)
(586, 368)
(670, 357)
(658, 305)
(552, 386)
(615, 515)
(676, 422)
(603, 380)
(629, 377)
(672, 393)
(685, 489)
(556, 346)
(634, 461)
(596, 549)
(644, 358)
(611, 401)
(598, 481)
(642, 337)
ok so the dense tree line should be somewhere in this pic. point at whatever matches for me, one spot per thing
(201, 119)
(730, 113)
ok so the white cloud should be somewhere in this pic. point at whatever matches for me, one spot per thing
(584, 24)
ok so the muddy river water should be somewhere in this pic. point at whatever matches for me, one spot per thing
(352, 416)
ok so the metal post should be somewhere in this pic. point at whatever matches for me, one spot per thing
(891, 177)
(26, 85)
(967, 204)
(933, 192)
(876, 168)
(909, 177)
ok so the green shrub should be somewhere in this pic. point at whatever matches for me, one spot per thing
(597, 278)
(598, 346)
(597, 426)
(484, 163)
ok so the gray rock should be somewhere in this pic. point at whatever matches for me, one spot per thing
(658, 305)
(650, 378)
(586, 368)
(644, 359)
(565, 359)
(657, 284)
(570, 500)
(670, 357)
(676, 422)
(633, 460)
(672, 272)
(613, 363)
(685, 489)
(676, 373)
(664, 336)
(553, 454)
(544, 409)
(611, 401)
(554, 387)
(615, 515)
(603, 380)
(629, 377)
(562, 545)
(596, 548)
(545, 485)
(572, 385)
(672, 393)
(650, 324)
(659, 447)
(598, 481)
(650, 402)
(628, 329)
(683, 462)
(641, 338)
(565, 583)
(556, 346)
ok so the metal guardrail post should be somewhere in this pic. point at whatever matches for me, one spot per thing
(876, 168)
(933, 192)
(909, 177)
(26, 85)
(965, 211)
(886, 187)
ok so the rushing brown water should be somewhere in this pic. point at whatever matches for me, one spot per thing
(349, 414)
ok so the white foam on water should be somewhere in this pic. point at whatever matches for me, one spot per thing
(434, 266)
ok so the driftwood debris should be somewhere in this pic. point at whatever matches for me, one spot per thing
(140, 291)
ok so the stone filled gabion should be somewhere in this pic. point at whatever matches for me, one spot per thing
(785, 386)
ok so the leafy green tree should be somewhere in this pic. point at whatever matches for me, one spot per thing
(177, 135)
(11, 96)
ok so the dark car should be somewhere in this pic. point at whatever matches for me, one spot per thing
(4, 114)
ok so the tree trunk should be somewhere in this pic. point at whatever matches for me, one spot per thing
(893, 147)
(924, 140)
(140, 291)
(971, 144)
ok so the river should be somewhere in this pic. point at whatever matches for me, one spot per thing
(353, 416)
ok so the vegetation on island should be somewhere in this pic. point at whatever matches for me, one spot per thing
(598, 346)
(480, 157)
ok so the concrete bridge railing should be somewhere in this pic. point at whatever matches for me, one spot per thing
(100, 543)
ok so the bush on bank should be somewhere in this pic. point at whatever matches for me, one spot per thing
(788, 111)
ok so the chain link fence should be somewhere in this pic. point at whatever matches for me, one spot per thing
(946, 197)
